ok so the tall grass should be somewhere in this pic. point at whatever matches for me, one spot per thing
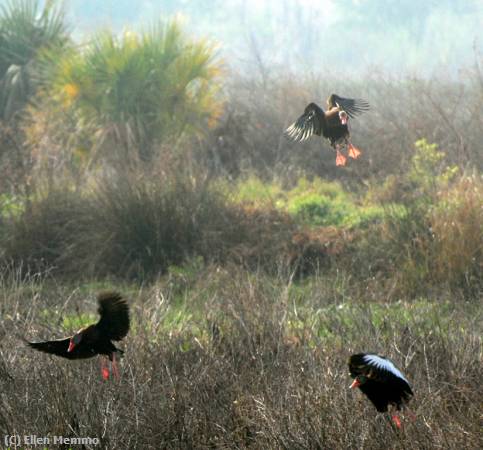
(274, 374)
(137, 228)
(140, 227)
(457, 227)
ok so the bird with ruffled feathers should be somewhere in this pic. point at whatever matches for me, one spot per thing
(95, 339)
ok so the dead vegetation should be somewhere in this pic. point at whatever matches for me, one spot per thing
(236, 360)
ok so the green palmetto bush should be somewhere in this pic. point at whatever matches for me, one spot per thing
(27, 36)
(135, 92)
(31, 38)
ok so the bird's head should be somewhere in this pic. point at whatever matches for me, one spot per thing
(343, 117)
(358, 381)
(74, 340)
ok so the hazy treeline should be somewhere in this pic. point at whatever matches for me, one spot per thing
(312, 36)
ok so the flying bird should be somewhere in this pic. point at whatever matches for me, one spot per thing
(95, 339)
(332, 124)
(381, 381)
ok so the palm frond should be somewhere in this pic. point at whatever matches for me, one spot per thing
(26, 37)
(148, 85)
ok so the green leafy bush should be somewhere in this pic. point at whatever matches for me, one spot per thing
(254, 192)
(310, 202)
(316, 209)
(427, 172)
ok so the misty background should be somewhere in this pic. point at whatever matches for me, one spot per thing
(418, 37)
(139, 159)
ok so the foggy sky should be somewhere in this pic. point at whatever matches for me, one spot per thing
(413, 36)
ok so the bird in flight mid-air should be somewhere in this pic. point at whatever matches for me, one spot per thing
(95, 339)
(331, 124)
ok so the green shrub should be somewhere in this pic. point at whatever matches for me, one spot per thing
(314, 203)
(434, 239)
(137, 91)
(427, 171)
(253, 191)
(319, 210)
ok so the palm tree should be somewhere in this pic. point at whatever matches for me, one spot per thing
(137, 91)
(26, 37)
(30, 39)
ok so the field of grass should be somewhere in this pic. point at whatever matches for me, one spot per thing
(225, 358)
(254, 267)
(247, 299)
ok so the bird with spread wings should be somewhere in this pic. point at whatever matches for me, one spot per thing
(332, 124)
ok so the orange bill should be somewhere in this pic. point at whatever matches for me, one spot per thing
(355, 383)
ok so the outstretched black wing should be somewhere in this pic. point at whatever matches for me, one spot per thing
(309, 123)
(58, 347)
(351, 106)
(114, 311)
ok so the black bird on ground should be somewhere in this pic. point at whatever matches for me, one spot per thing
(331, 124)
(95, 339)
(381, 381)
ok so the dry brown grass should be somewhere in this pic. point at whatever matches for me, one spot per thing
(273, 375)
(457, 226)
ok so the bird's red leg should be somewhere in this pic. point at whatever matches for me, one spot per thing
(115, 369)
(353, 152)
(340, 159)
(104, 369)
(397, 421)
